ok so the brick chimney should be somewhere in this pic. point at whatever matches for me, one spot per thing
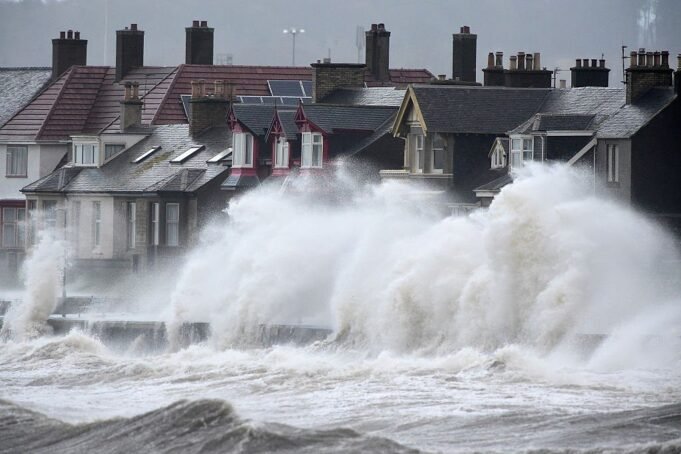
(589, 75)
(378, 52)
(68, 50)
(129, 50)
(131, 107)
(526, 72)
(209, 106)
(494, 73)
(327, 77)
(646, 71)
(199, 45)
(464, 47)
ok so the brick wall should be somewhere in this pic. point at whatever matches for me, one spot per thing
(207, 113)
(327, 77)
(640, 80)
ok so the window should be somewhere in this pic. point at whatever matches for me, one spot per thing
(613, 163)
(111, 150)
(186, 155)
(417, 141)
(32, 207)
(50, 214)
(438, 147)
(313, 149)
(522, 149)
(243, 150)
(96, 224)
(155, 211)
(172, 224)
(131, 221)
(17, 161)
(281, 153)
(75, 222)
(13, 227)
(498, 157)
(146, 154)
(85, 153)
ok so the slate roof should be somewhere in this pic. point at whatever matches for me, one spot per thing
(376, 96)
(332, 118)
(383, 130)
(497, 183)
(555, 122)
(18, 87)
(154, 174)
(256, 117)
(628, 119)
(476, 110)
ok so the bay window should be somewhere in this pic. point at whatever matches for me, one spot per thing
(281, 152)
(313, 149)
(17, 161)
(243, 149)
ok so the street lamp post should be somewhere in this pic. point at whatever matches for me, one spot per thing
(293, 32)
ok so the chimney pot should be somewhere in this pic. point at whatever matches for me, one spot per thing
(529, 60)
(594, 63)
(641, 57)
(76, 35)
(490, 60)
(204, 23)
(665, 59)
(563, 83)
(585, 63)
(442, 77)
(195, 23)
(678, 62)
(69, 34)
(513, 62)
(537, 61)
(578, 63)
(521, 61)
(381, 27)
(62, 35)
(374, 27)
(649, 59)
(601, 63)
(632, 58)
(500, 59)
(133, 26)
(656, 58)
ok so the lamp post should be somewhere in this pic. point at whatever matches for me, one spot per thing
(293, 32)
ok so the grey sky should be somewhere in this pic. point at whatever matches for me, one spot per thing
(421, 29)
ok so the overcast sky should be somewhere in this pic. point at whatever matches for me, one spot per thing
(251, 31)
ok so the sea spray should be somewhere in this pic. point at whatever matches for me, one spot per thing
(43, 279)
(546, 263)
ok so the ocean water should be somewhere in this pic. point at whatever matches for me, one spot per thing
(550, 322)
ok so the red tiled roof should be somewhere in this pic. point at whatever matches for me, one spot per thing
(246, 81)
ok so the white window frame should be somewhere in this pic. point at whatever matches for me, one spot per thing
(242, 143)
(519, 152)
(155, 223)
(172, 224)
(433, 150)
(131, 218)
(118, 147)
(498, 157)
(15, 223)
(86, 153)
(96, 224)
(281, 153)
(613, 163)
(418, 142)
(17, 161)
(312, 150)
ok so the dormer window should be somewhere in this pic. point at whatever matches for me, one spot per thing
(313, 148)
(86, 154)
(498, 157)
(243, 149)
(522, 150)
(281, 152)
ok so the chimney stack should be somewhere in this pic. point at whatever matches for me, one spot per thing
(525, 72)
(585, 75)
(68, 51)
(377, 52)
(129, 50)
(208, 106)
(199, 44)
(464, 48)
(643, 73)
(327, 77)
(493, 75)
(131, 107)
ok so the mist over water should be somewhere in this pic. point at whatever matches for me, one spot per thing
(551, 320)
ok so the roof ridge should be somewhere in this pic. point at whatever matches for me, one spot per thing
(67, 78)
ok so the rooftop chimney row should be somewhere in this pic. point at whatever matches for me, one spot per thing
(647, 70)
(68, 50)
(593, 74)
(524, 71)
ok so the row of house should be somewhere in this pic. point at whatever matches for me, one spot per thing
(134, 159)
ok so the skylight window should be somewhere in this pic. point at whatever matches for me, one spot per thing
(186, 155)
(146, 154)
(220, 156)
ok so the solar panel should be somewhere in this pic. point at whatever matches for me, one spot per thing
(285, 88)
(307, 86)
(251, 99)
(146, 154)
(290, 101)
(186, 155)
